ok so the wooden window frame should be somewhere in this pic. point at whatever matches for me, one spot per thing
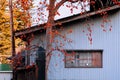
(85, 51)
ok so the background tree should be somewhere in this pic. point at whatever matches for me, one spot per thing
(20, 21)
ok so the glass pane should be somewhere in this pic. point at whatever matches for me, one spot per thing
(70, 61)
(85, 59)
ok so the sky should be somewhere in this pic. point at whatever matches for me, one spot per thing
(39, 15)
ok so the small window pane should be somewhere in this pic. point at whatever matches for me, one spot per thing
(70, 61)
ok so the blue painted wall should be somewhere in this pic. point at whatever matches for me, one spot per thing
(109, 41)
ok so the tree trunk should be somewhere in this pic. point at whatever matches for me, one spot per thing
(49, 35)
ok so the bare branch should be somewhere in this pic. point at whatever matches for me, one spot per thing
(62, 2)
(59, 4)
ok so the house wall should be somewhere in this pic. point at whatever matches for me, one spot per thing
(38, 40)
(107, 41)
(5, 75)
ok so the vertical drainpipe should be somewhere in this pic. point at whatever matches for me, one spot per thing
(12, 34)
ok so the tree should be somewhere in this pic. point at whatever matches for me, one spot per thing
(52, 7)
(19, 23)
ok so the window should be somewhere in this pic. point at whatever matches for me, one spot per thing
(84, 59)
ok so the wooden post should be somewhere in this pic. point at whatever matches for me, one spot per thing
(12, 34)
(12, 29)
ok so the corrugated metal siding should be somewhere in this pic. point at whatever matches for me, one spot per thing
(5, 75)
(108, 41)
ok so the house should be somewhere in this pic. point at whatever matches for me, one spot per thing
(5, 72)
(92, 47)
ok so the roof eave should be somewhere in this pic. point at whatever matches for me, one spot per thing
(65, 20)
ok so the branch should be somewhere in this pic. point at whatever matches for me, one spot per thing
(59, 4)
(62, 2)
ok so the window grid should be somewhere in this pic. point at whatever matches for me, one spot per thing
(84, 59)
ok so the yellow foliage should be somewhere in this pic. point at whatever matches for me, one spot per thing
(19, 23)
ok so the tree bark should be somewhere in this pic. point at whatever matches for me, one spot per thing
(49, 35)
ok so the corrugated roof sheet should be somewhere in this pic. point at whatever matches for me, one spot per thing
(5, 67)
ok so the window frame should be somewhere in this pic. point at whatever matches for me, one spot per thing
(97, 50)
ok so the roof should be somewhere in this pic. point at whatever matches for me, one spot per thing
(5, 68)
(65, 20)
